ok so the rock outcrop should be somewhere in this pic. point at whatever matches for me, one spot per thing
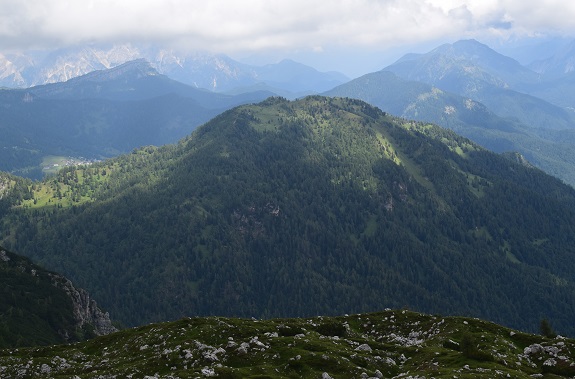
(86, 310)
(39, 307)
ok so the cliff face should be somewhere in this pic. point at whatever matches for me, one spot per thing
(38, 307)
(85, 309)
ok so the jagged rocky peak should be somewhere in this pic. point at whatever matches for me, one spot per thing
(32, 69)
(137, 68)
(215, 72)
(65, 64)
(90, 85)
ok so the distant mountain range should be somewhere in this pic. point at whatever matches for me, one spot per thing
(103, 114)
(475, 91)
(562, 62)
(471, 69)
(550, 150)
(213, 72)
(465, 86)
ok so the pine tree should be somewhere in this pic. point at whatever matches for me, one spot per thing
(546, 329)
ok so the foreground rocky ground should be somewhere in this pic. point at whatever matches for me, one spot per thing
(389, 344)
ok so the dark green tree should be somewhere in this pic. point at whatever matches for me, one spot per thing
(546, 329)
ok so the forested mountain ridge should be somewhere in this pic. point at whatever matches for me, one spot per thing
(38, 307)
(550, 150)
(317, 206)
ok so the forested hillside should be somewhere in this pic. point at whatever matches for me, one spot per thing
(317, 206)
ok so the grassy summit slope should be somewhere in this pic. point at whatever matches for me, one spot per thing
(383, 345)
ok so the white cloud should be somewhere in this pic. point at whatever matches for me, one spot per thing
(255, 25)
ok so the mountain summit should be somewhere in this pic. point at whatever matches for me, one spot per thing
(547, 149)
(99, 84)
(447, 64)
(473, 70)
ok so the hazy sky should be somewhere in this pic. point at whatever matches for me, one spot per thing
(335, 34)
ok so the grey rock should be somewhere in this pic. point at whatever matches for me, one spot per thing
(86, 310)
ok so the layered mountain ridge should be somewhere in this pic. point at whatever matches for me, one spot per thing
(551, 150)
(497, 106)
(444, 62)
(213, 72)
(483, 95)
(102, 114)
(317, 207)
(471, 69)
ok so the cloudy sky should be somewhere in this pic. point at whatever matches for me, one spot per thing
(344, 35)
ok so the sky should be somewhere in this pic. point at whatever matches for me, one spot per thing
(350, 36)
